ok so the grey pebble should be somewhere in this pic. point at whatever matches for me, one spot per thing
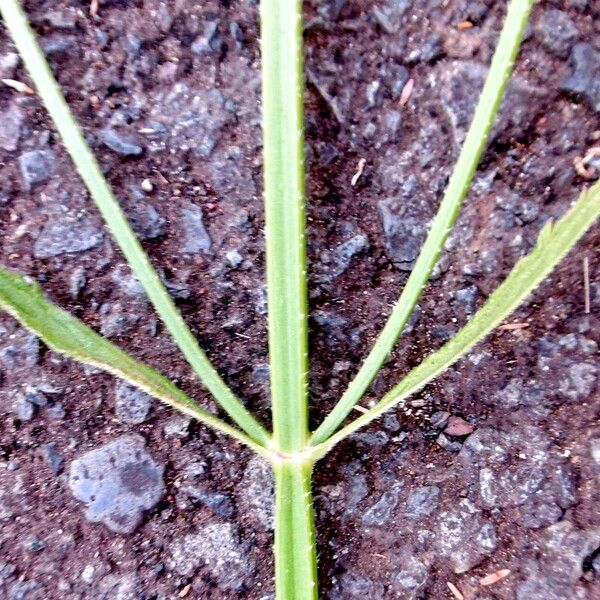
(217, 547)
(118, 481)
(218, 503)
(382, 511)
(584, 80)
(53, 458)
(36, 167)
(63, 235)
(210, 40)
(463, 537)
(195, 236)
(122, 144)
(354, 586)
(403, 234)
(11, 121)
(22, 350)
(422, 502)
(132, 405)
(557, 32)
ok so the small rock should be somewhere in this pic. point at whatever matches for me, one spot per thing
(219, 504)
(195, 236)
(584, 80)
(403, 234)
(580, 381)
(53, 458)
(216, 546)
(210, 40)
(132, 405)
(451, 446)
(61, 19)
(467, 297)
(11, 121)
(177, 426)
(145, 220)
(36, 167)
(57, 43)
(124, 145)
(118, 481)
(61, 235)
(77, 282)
(116, 321)
(26, 590)
(25, 410)
(195, 118)
(422, 502)
(257, 493)
(35, 543)
(411, 578)
(334, 263)
(8, 65)
(463, 538)
(382, 511)
(22, 351)
(353, 586)
(557, 32)
(234, 258)
(87, 574)
(458, 427)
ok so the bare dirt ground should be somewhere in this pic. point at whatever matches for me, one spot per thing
(168, 94)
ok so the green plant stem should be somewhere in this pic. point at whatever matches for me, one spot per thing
(295, 552)
(89, 170)
(282, 95)
(458, 186)
(554, 241)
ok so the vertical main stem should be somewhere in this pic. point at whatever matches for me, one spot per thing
(295, 552)
(282, 97)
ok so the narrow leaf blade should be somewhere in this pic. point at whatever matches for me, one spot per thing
(87, 166)
(67, 335)
(554, 241)
(458, 186)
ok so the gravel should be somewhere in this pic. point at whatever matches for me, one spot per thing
(36, 167)
(463, 537)
(584, 80)
(195, 237)
(66, 233)
(118, 482)
(381, 513)
(217, 548)
(11, 122)
(132, 405)
(557, 32)
(123, 144)
(404, 234)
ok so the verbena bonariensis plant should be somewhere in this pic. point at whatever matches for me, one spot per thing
(291, 449)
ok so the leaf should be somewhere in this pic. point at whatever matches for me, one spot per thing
(458, 186)
(554, 241)
(87, 166)
(67, 335)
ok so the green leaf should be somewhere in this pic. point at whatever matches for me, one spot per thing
(67, 335)
(91, 174)
(554, 241)
(458, 186)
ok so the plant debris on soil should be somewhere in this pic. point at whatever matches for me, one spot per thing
(492, 470)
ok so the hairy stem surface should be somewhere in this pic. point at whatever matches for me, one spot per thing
(282, 89)
(295, 551)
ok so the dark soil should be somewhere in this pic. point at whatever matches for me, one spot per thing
(402, 507)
